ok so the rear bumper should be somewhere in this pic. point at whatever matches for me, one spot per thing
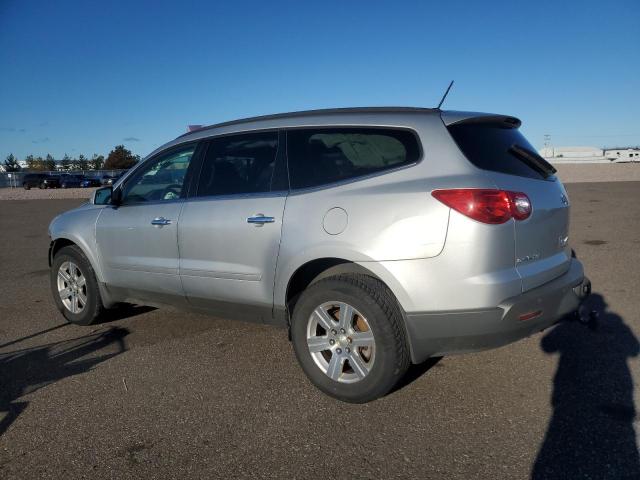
(446, 333)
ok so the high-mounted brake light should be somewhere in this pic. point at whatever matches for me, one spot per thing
(486, 205)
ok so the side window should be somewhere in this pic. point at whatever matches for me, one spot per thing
(326, 155)
(162, 180)
(239, 164)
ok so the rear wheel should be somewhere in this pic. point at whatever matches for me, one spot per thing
(42, 186)
(26, 186)
(74, 286)
(349, 338)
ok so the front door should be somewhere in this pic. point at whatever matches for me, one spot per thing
(229, 231)
(138, 239)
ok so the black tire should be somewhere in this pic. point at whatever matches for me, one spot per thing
(93, 308)
(26, 186)
(42, 186)
(64, 185)
(378, 305)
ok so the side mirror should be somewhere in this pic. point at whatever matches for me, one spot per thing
(102, 196)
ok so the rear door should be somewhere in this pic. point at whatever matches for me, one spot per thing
(229, 232)
(541, 252)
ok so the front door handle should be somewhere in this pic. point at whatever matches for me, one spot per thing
(160, 221)
(260, 219)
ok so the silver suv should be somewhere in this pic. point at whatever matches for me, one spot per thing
(377, 236)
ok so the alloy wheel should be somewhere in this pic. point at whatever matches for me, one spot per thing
(72, 287)
(341, 342)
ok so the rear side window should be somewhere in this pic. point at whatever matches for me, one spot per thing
(489, 146)
(239, 164)
(319, 156)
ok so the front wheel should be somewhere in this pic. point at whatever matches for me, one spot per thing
(74, 286)
(42, 186)
(349, 337)
(26, 186)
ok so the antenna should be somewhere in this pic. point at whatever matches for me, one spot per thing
(445, 95)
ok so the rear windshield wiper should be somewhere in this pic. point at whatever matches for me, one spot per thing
(533, 160)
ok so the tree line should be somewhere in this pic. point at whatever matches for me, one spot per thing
(119, 158)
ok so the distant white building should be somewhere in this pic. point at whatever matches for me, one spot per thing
(571, 152)
(623, 154)
(21, 163)
(590, 154)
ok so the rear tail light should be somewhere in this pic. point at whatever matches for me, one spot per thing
(486, 205)
(520, 205)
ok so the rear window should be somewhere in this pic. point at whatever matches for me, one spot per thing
(239, 164)
(320, 156)
(489, 147)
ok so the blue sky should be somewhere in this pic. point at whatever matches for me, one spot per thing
(83, 76)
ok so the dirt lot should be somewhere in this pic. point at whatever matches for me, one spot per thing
(166, 394)
(45, 194)
(599, 172)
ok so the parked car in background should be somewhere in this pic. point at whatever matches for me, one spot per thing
(68, 180)
(378, 237)
(110, 179)
(40, 180)
(90, 182)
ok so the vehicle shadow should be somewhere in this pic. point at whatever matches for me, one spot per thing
(591, 432)
(414, 372)
(122, 312)
(27, 370)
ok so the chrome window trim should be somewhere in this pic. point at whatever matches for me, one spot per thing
(238, 196)
(154, 202)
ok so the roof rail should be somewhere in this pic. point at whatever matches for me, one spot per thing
(311, 113)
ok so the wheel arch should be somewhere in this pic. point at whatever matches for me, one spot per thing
(59, 243)
(314, 270)
(68, 240)
(64, 241)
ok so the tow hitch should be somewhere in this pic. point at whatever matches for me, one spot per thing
(583, 314)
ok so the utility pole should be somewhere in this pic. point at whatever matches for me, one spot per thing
(547, 144)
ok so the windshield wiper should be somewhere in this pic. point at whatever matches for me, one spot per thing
(533, 160)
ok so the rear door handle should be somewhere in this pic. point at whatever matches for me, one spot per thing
(160, 221)
(260, 219)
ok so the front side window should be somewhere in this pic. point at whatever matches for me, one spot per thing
(239, 164)
(162, 180)
(326, 155)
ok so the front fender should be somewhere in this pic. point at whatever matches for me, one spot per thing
(78, 226)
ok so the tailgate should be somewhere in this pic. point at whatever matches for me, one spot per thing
(493, 143)
(542, 240)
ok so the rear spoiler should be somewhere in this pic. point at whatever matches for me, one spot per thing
(452, 117)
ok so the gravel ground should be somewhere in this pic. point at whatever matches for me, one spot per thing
(45, 194)
(166, 394)
(599, 172)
